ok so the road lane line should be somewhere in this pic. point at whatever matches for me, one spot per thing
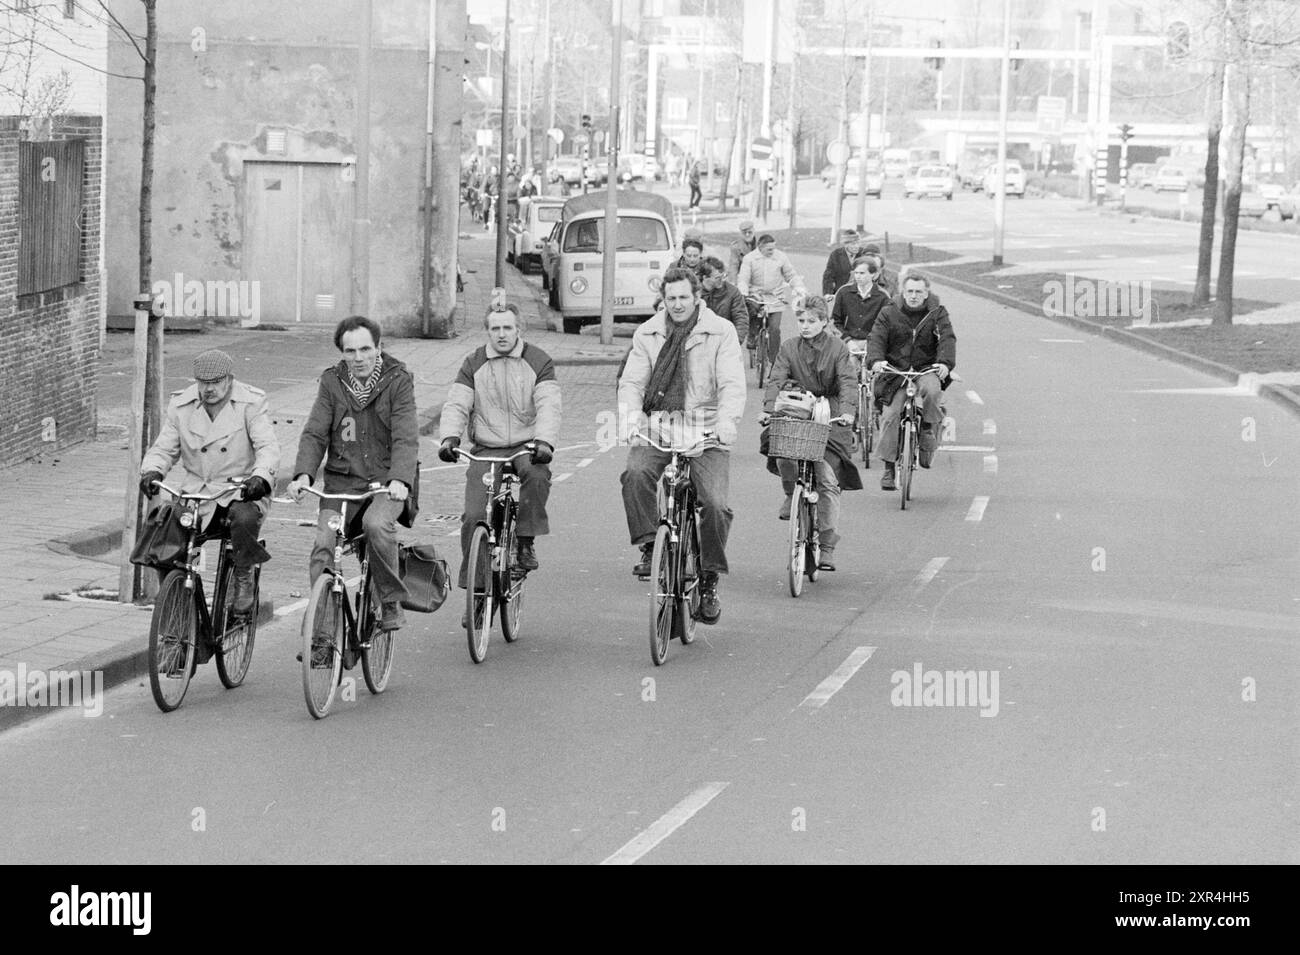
(927, 573)
(976, 512)
(561, 477)
(990, 426)
(978, 448)
(835, 682)
(1062, 341)
(585, 461)
(300, 604)
(665, 825)
(975, 398)
(990, 464)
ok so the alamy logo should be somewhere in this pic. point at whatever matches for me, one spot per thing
(24, 687)
(194, 299)
(921, 687)
(102, 908)
(1081, 297)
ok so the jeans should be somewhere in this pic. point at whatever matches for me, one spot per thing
(930, 395)
(696, 196)
(773, 332)
(378, 522)
(828, 498)
(534, 489)
(711, 477)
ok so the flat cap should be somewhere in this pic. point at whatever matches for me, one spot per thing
(746, 225)
(212, 365)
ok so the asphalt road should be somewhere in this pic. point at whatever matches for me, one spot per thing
(1098, 535)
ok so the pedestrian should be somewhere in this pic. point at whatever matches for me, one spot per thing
(694, 181)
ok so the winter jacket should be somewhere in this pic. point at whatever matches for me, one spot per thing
(504, 400)
(239, 442)
(854, 315)
(739, 249)
(362, 444)
(726, 302)
(773, 281)
(838, 271)
(715, 380)
(911, 342)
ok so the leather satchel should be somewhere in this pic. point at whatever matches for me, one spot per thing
(162, 541)
(425, 577)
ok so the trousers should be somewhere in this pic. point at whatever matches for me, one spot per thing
(378, 523)
(828, 497)
(930, 393)
(711, 477)
(534, 491)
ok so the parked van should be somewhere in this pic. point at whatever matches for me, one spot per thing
(646, 247)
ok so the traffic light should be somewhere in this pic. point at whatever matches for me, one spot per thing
(586, 123)
(1125, 132)
(1178, 41)
(1015, 63)
(935, 62)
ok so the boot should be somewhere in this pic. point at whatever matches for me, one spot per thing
(887, 482)
(241, 604)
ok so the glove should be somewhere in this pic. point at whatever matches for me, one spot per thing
(146, 483)
(448, 450)
(878, 367)
(942, 370)
(543, 453)
(397, 491)
(256, 488)
(295, 488)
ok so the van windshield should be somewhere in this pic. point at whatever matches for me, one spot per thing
(634, 232)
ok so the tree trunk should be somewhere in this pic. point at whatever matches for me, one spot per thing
(1237, 81)
(1210, 197)
(731, 143)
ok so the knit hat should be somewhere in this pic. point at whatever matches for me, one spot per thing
(212, 365)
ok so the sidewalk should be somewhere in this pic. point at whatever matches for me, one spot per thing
(63, 513)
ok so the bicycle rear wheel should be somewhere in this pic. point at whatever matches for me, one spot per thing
(478, 593)
(323, 629)
(905, 464)
(798, 535)
(510, 585)
(234, 635)
(688, 604)
(376, 645)
(173, 631)
(663, 586)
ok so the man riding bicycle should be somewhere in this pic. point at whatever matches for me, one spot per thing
(818, 362)
(363, 426)
(684, 376)
(506, 395)
(220, 428)
(767, 275)
(911, 333)
(859, 302)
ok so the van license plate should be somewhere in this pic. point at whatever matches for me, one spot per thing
(622, 300)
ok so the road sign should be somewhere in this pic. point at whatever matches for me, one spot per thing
(520, 132)
(1051, 115)
(483, 137)
(597, 136)
(837, 153)
(556, 134)
(760, 148)
(581, 139)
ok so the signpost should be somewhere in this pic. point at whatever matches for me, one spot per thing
(1051, 115)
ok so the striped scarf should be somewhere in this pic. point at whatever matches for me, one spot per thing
(360, 390)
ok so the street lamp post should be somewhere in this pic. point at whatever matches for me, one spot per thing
(505, 139)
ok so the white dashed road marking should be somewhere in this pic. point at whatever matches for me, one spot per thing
(585, 461)
(974, 398)
(665, 825)
(927, 573)
(990, 464)
(833, 683)
(561, 477)
(969, 448)
(990, 427)
(976, 512)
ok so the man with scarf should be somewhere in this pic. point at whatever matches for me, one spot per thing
(911, 332)
(684, 376)
(363, 425)
(817, 362)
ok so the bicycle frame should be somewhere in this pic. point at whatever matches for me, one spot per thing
(193, 547)
(338, 585)
(500, 486)
(909, 424)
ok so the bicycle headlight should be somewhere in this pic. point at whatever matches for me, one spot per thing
(812, 496)
(187, 519)
(487, 478)
(335, 523)
(578, 285)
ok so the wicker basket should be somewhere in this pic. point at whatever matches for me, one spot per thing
(796, 439)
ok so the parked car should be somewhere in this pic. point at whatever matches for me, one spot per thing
(568, 169)
(1013, 182)
(1253, 202)
(1289, 204)
(537, 216)
(853, 175)
(643, 167)
(1170, 179)
(931, 180)
(1141, 175)
(970, 169)
(1274, 193)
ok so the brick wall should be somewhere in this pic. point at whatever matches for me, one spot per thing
(49, 342)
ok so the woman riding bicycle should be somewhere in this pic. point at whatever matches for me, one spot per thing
(818, 362)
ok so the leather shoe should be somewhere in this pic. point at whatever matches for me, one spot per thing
(824, 561)
(642, 567)
(785, 510)
(887, 482)
(526, 556)
(710, 605)
(924, 457)
(241, 603)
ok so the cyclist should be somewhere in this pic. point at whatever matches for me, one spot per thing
(363, 425)
(859, 302)
(505, 395)
(723, 298)
(740, 248)
(220, 428)
(684, 376)
(818, 362)
(692, 254)
(767, 275)
(911, 332)
(839, 264)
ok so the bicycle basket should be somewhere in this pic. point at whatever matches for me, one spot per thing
(797, 439)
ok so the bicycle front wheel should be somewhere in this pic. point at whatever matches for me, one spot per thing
(173, 631)
(376, 646)
(663, 587)
(235, 635)
(905, 464)
(510, 585)
(478, 593)
(324, 626)
(798, 536)
(863, 424)
(688, 603)
(761, 357)
(812, 545)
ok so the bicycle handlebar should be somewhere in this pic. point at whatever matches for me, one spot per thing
(181, 496)
(529, 448)
(891, 370)
(703, 437)
(347, 497)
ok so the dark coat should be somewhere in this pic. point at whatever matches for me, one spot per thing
(854, 315)
(727, 302)
(910, 342)
(375, 442)
(839, 270)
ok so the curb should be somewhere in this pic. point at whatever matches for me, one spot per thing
(125, 661)
(1283, 397)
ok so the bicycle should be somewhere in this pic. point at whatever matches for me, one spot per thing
(909, 431)
(867, 422)
(758, 355)
(493, 581)
(675, 565)
(337, 628)
(183, 632)
(804, 442)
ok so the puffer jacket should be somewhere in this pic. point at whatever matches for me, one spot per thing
(910, 342)
(504, 400)
(715, 380)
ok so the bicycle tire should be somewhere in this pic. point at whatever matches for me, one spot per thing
(798, 552)
(662, 604)
(173, 631)
(863, 424)
(905, 464)
(320, 673)
(812, 546)
(762, 357)
(509, 585)
(688, 604)
(377, 658)
(479, 598)
(234, 642)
